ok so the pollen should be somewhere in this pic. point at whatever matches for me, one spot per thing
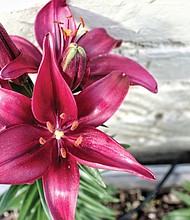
(74, 125)
(78, 141)
(58, 134)
(63, 152)
(50, 127)
(67, 32)
(62, 115)
(82, 22)
(42, 141)
(58, 22)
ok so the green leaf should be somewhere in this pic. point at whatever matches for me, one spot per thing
(29, 202)
(126, 146)
(42, 198)
(12, 197)
(185, 198)
(186, 186)
(181, 214)
(94, 174)
(38, 212)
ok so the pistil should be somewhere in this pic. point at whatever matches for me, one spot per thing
(58, 134)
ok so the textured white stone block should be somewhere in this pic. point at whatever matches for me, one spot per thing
(156, 33)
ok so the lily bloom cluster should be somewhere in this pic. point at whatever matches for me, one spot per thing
(46, 136)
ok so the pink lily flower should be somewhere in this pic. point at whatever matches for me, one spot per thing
(50, 135)
(17, 56)
(55, 17)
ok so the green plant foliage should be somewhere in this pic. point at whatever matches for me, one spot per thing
(30, 202)
(181, 214)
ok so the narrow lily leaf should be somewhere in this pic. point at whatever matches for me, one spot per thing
(181, 214)
(94, 174)
(42, 199)
(40, 213)
(104, 64)
(89, 184)
(12, 197)
(29, 201)
(126, 146)
(186, 186)
(102, 42)
(94, 206)
(20, 89)
(98, 102)
(185, 198)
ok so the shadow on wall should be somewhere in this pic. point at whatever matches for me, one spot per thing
(94, 20)
(145, 28)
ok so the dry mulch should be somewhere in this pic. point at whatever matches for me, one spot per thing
(164, 202)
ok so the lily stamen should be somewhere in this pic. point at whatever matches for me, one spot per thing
(74, 125)
(82, 22)
(78, 141)
(50, 127)
(42, 141)
(62, 115)
(63, 152)
(70, 16)
(58, 22)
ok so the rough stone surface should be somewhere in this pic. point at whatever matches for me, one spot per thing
(156, 33)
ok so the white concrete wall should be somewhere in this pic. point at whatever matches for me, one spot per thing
(156, 33)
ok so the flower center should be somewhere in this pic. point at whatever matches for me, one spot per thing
(62, 132)
(58, 134)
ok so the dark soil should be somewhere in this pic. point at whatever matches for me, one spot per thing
(164, 202)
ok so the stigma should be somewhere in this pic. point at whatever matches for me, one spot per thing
(58, 134)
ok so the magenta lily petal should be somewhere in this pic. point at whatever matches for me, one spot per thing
(54, 11)
(27, 48)
(20, 153)
(52, 95)
(97, 42)
(103, 65)
(8, 50)
(61, 184)
(15, 108)
(100, 151)
(15, 62)
(98, 102)
(19, 66)
(5, 84)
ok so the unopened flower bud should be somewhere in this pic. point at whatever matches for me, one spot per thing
(74, 65)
